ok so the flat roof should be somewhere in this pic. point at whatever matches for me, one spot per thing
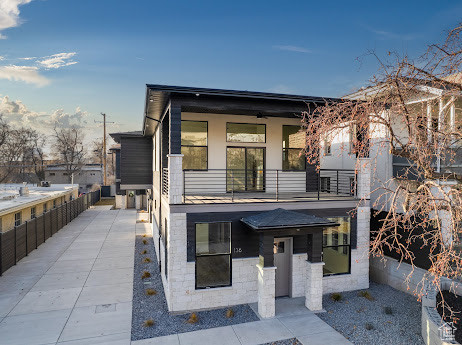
(11, 201)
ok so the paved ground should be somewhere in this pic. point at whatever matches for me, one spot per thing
(76, 289)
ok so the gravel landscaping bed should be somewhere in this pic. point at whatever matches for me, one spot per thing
(292, 341)
(366, 321)
(154, 307)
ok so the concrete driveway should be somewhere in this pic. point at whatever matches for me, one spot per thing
(77, 287)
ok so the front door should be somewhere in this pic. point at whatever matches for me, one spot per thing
(282, 257)
(245, 169)
(131, 199)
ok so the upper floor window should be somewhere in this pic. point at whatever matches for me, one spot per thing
(245, 132)
(352, 137)
(327, 148)
(293, 142)
(45, 207)
(32, 213)
(54, 203)
(52, 174)
(194, 144)
(213, 255)
(17, 219)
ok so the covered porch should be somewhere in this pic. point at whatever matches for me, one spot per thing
(275, 229)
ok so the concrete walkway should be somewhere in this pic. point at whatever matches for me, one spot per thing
(292, 320)
(76, 289)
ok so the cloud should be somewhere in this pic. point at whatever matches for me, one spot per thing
(57, 60)
(28, 74)
(9, 14)
(293, 49)
(16, 113)
(27, 58)
(392, 35)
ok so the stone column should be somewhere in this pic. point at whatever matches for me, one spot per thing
(313, 286)
(175, 179)
(364, 178)
(266, 291)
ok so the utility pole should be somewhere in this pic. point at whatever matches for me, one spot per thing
(104, 148)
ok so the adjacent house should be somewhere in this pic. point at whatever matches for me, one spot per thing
(238, 215)
(86, 177)
(133, 169)
(19, 203)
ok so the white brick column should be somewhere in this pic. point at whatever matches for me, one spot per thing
(175, 179)
(313, 286)
(364, 178)
(266, 291)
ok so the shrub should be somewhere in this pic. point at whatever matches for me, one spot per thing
(193, 318)
(148, 323)
(229, 313)
(388, 310)
(147, 260)
(145, 275)
(145, 241)
(151, 292)
(144, 252)
(366, 295)
(336, 297)
(369, 326)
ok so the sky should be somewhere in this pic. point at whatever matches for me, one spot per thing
(66, 61)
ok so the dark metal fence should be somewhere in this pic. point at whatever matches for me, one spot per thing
(18, 242)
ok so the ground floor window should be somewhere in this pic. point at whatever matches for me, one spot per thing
(337, 247)
(213, 255)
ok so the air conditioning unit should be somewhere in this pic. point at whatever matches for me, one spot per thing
(45, 184)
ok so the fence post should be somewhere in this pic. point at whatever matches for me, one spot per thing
(36, 240)
(1, 255)
(15, 245)
(319, 183)
(27, 233)
(232, 189)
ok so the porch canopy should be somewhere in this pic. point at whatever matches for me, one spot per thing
(281, 222)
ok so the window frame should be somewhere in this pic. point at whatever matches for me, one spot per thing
(206, 146)
(245, 123)
(208, 255)
(33, 214)
(287, 149)
(340, 247)
(17, 220)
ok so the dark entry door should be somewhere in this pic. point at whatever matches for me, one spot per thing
(245, 169)
(282, 258)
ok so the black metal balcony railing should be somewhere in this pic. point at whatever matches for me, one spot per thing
(165, 181)
(236, 185)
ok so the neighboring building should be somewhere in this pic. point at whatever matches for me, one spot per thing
(238, 215)
(88, 176)
(133, 169)
(16, 209)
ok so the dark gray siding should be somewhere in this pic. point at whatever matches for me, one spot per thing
(245, 242)
(136, 160)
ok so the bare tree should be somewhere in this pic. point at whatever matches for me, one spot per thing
(411, 110)
(69, 149)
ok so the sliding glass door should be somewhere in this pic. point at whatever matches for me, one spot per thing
(245, 169)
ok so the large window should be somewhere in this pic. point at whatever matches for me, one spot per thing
(194, 145)
(245, 133)
(213, 255)
(32, 213)
(336, 247)
(293, 141)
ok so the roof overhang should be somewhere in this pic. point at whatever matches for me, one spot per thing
(221, 101)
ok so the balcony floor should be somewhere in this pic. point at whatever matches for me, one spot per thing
(248, 197)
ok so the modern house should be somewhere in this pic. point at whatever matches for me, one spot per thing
(238, 215)
(86, 177)
(133, 169)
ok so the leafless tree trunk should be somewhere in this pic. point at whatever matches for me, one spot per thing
(68, 147)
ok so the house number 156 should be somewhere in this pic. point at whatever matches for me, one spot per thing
(237, 250)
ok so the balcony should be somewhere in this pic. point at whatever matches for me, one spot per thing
(221, 186)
